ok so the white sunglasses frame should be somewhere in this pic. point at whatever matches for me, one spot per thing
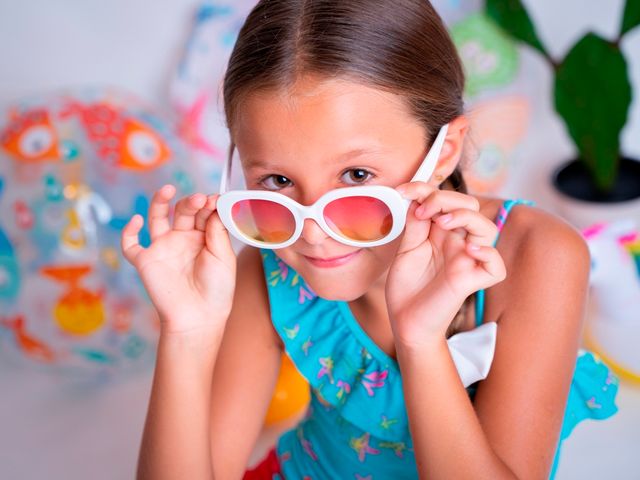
(398, 205)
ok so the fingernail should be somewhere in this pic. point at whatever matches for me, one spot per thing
(474, 247)
(445, 218)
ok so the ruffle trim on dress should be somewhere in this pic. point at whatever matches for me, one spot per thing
(593, 392)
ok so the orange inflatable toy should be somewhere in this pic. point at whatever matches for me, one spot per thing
(291, 394)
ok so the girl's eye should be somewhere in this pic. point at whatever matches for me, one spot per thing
(275, 182)
(356, 176)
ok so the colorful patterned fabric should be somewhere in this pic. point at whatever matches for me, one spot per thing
(356, 425)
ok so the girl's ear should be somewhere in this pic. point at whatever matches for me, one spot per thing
(451, 150)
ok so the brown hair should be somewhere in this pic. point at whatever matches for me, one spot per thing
(400, 46)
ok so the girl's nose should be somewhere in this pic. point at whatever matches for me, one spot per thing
(312, 233)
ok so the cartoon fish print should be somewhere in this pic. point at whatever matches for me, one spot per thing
(78, 310)
(24, 217)
(9, 269)
(94, 355)
(191, 124)
(140, 207)
(29, 344)
(72, 235)
(30, 137)
(119, 138)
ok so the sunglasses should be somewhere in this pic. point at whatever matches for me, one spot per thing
(359, 216)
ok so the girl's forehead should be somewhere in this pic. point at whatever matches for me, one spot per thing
(335, 116)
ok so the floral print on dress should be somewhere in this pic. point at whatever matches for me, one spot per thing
(292, 333)
(344, 389)
(362, 447)
(397, 447)
(357, 398)
(327, 368)
(306, 445)
(306, 346)
(387, 423)
(305, 294)
(280, 274)
(374, 380)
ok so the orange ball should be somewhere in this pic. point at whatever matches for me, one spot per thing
(291, 394)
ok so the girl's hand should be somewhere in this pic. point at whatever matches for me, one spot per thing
(189, 270)
(445, 255)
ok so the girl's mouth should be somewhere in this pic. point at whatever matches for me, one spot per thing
(332, 262)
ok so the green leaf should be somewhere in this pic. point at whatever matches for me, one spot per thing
(514, 19)
(592, 95)
(631, 17)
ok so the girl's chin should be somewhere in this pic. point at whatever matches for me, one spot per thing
(337, 291)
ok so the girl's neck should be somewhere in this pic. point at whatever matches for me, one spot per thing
(370, 311)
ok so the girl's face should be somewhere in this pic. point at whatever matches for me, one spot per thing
(322, 135)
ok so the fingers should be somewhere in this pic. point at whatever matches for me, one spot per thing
(417, 191)
(444, 201)
(480, 230)
(489, 259)
(129, 240)
(205, 212)
(190, 212)
(159, 211)
(186, 210)
(216, 235)
(452, 211)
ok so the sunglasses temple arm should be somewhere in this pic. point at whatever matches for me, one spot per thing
(225, 178)
(429, 165)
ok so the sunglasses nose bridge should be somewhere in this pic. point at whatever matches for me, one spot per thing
(312, 212)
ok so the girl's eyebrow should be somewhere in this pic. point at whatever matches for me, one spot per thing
(253, 162)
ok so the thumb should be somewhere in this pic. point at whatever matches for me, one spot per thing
(416, 231)
(216, 235)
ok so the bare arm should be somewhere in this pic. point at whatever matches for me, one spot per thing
(202, 428)
(176, 441)
(512, 429)
(190, 273)
(245, 373)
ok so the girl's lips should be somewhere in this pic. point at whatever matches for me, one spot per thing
(332, 262)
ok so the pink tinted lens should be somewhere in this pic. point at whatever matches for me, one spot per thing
(364, 219)
(264, 220)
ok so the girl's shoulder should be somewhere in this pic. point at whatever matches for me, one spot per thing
(539, 249)
(528, 227)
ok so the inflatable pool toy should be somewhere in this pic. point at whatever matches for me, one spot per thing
(74, 167)
(614, 328)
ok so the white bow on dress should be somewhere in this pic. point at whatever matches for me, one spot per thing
(472, 352)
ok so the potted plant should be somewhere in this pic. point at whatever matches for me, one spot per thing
(592, 94)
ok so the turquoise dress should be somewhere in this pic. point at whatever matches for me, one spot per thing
(356, 426)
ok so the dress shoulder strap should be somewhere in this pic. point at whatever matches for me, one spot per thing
(500, 220)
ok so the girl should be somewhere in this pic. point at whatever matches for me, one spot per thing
(336, 104)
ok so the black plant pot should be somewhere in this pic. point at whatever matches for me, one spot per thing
(572, 179)
(582, 204)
